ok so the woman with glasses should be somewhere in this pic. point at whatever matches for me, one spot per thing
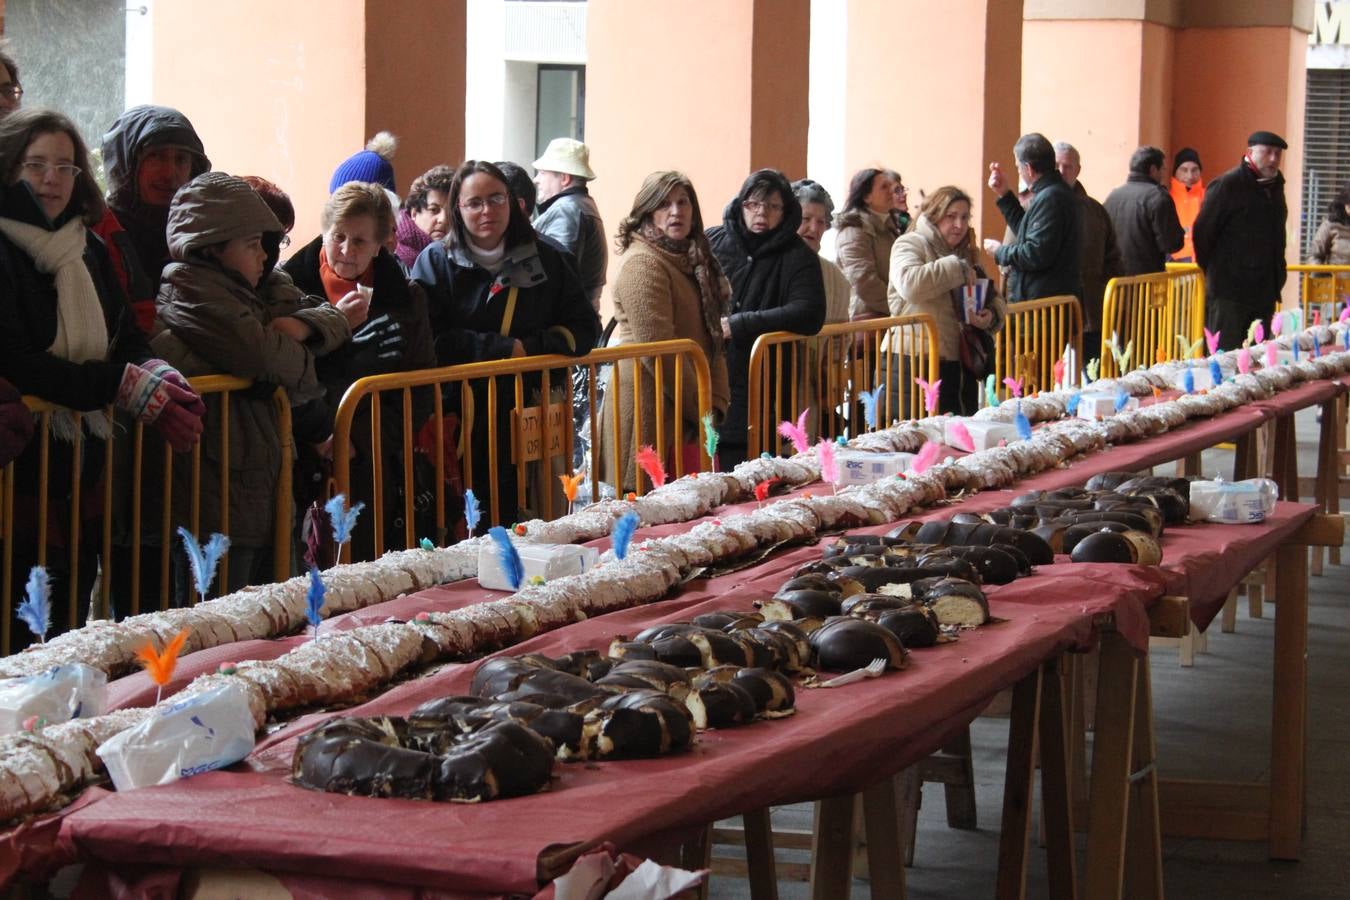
(776, 285)
(69, 335)
(11, 92)
(494, 292)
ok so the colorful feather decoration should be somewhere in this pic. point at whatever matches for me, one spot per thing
(203, 560)
(1272, 354)
(1071, 406)
(796, 432)
(1277, 324)
(1345, 313)
(1058, 372)
(710, 439)
(871, 400)
(1190, 349)
(622, 534)
(314, 599)
(1345, 338)
(1294, 347)
(1023, 425)
(1212, 340)
(1160, 356)
(36, 609)
(512, 567)
(1123, 357)
(570, 484)
(1157, 392)
(1122, 399)
(1094, 366)
(1317, 317)
(1258, 331)
(1014, 385)
(990, 391)
(1215, 371)
(930, 393)
(829, 466)
(650, 461)
(925, 458)
(1317, 348)
(342, 518)
(961, 434)
(472, 511)
(1296, 316)
(1188, 380)
(1244, 360)
(160, 665)
(762, 489)
(426, 544)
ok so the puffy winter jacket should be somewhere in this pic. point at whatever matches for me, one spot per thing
(1046, 259)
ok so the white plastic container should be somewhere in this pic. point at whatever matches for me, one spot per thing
(62, 693)
(857, 467)
(1100, 405)
(984, 434)
(546, 561)
(1234, 502)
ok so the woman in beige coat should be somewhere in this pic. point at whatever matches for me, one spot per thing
(669, 286)
(929, 266)
(867, 229)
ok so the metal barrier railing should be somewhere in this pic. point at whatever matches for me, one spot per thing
(828, 371)
(1150, 311)
(1322, 288)
(539, 428)
(120, 536)
(1033, 337)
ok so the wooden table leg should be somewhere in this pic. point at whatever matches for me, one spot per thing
(882, 821)
(1289, 705)
(1112, 748)
(760, 868)
(832, 848)
(1244, 459)
(1015, 833)
(1144, 849)
(1056, 797)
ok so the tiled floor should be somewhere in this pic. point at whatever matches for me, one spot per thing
(1213, 721)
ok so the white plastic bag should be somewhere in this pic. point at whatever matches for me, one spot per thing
(1234, 502)
(61, 693)
(208, 731)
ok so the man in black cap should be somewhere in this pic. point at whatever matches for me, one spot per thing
(1239, 240)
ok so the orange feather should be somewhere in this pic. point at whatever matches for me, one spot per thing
(570, 484)
(161, 665)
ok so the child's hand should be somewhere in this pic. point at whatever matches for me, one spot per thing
(293, 328)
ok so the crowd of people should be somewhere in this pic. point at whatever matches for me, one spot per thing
(116, 296)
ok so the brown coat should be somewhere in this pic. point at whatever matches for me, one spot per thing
(655, 299)
(924, 272)
(1331, 245)
(863, 248)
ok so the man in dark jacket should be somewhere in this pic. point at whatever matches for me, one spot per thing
(1101, 256)
(1144, 216)
(776, 285)
(1239, 240)
(568, 215)
(1045, 260)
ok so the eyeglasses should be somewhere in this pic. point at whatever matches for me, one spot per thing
(40, 169)
(13, 91)
(755, 206)
(478, 204)
(285, 241)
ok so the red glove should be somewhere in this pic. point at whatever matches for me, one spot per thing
(16, 423)
(175, 411)
(168, 373)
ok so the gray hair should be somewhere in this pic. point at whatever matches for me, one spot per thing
(808, 191)
(1067, 148)
(1035, 151)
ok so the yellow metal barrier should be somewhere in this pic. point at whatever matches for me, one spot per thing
(1033, 338)
(1151, 310)
(828, 371)
(1322, 288)
(539, 431)
(43, 528)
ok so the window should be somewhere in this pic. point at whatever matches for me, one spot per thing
(1326, 147)
(561, 107)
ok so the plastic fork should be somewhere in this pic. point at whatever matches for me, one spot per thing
(873, 669)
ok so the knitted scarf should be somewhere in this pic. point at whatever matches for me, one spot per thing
(713, 288)
(411, 239)
(335, 287)
(81, 334)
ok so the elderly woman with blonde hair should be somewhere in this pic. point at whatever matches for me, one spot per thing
(669, 286)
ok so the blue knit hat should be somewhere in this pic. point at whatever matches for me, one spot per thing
(372, 164)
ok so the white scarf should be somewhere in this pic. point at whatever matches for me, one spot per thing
(81, 334)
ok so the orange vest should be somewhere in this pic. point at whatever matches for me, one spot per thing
(1188, 202)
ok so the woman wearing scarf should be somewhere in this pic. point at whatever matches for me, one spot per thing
(670, 286)
(69, 336)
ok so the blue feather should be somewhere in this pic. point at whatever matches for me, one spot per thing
(870, 399)
(426, 544)
(1345, 338)
(623, 533)
(512, 567)
(1023, 426)
(472, 512)
(36, 609)
(1188, 381)
(1122, 399)
(314, 599)
(1294, 346)
(1215, 371)
(203, 560)
(343, 519)
(1072, 405)
(1317, 348)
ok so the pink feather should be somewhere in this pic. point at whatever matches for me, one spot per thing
(962, 435)
(930, 393)
(1277, 323)
(927, 455)
(1244, 360)
(1259, 332)
(1271, 357)
(1058, 370)
(829, 466)
(1345, 313)
(1014, 385)
(1317, 317)
(650, 461)
(796, 433)
(1212, 339)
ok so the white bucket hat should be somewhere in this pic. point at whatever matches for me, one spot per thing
(567, 156)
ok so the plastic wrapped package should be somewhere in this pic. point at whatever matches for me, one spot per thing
(1233, 502)
(62, 693)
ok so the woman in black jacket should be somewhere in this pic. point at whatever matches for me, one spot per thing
(495, 292)
(776, 285)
